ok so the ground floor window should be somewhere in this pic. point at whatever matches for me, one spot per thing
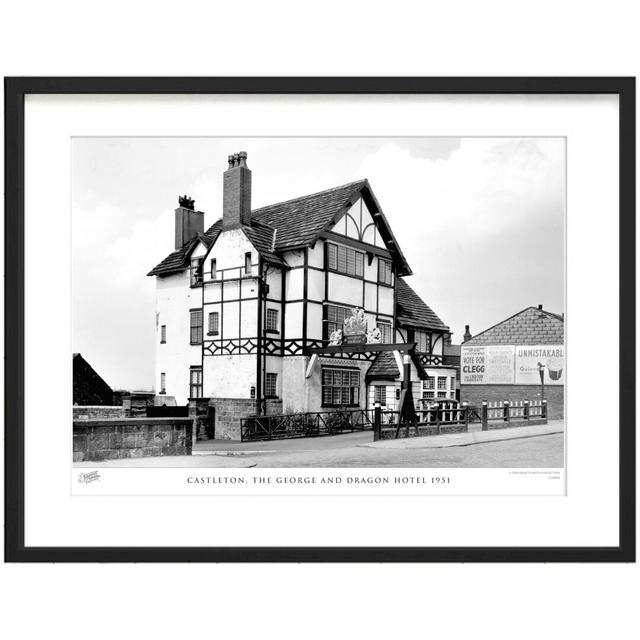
(195, 382)
(340, 387)
(380, 394)
(271, 385)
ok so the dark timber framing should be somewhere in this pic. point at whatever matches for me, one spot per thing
(16, 89)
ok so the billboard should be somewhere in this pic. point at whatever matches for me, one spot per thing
(512, 364)
(531, 359)
(487, 364)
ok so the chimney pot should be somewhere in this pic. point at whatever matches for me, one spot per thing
(189, 223)
(236, 192)
(540, 307)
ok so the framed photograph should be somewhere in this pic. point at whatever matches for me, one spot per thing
(320, 319)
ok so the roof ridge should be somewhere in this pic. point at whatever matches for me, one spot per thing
(511, 317)
(310, 195)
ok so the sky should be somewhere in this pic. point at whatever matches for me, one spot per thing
(480, 221)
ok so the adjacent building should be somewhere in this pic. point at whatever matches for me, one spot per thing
(88, 387)
(298, 306)
(520, 358)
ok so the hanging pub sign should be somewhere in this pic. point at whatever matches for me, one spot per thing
(537, 362)
(491, 364)
(354, 329)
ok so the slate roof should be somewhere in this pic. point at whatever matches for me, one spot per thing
(383, 367)
(290, 224)
(529, 326)
(412, 311)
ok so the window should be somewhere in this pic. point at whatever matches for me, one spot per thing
(272, 320)
(196, 272)
(247, 264)
(163, 334)
(335, 318)
(453, 383)
(428, 394)
(423, 341)
(340, 387)
(345, 260)
(196, 326)
(195, 382)
(213, 270)
(380, 394)
(429, 383)
(442, 394)
(385, 332)
(212, 329)
(442, 383)
(163, 383)
(384, 271)
(271, 385)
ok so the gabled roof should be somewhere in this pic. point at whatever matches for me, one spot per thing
(293, 224)
(178, 260)
(529, 326)
(412, 311)
(384, 367)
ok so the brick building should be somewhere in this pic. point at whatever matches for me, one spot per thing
(520, 358)
(297, 306)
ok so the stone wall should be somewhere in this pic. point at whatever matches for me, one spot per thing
(229, 411)
(95, 440)
(475, 393)
(423, 430)
(97, 412)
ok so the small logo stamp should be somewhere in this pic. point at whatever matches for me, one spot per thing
(88, 477)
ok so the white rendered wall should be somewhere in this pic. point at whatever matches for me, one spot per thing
(174, 299)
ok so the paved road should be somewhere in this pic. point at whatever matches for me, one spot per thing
(343, 451)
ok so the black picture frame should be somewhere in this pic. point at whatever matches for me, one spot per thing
(15, 91)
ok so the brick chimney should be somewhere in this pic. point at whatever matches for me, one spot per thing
(467, 334)
(236, 198)
(189, 223)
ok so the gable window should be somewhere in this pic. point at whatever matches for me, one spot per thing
(195, 323)
(385, 332)
(163, 383)
(271, 385)
(247, 264)
(163, 334)
(196, 272)
(213, 270)
(272, 321)
(335, 319)
(195, 382)
(385, 273)
(380, 394)
(340, 387)
(345, 260)
(423, 341)
(212, 329)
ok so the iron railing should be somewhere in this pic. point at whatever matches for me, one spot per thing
(299, 425)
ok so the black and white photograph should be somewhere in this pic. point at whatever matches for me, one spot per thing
(322, 302)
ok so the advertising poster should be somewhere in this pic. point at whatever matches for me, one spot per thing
(532, 359)
(487, 364)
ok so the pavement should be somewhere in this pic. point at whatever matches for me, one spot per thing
(530, 446)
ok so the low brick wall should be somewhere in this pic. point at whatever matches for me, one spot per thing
(229, 412)
(95, 440)
(424, 430)
(476, 393)
(98, 412)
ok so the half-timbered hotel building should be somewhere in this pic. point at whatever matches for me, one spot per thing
(250, 314)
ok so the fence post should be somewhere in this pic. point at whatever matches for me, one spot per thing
(437, 410)
(505, 410)
(485, 416)
(465, 414)
(543, 410)
(525, 410)
(377, 421)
